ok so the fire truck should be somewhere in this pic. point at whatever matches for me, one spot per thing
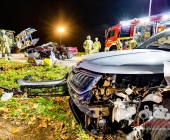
(138, 29)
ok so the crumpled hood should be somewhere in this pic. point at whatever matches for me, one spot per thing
(137, 61)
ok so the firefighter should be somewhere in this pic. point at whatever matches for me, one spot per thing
(96, 46)
(132, 44)
(87, 45)
(119, 44)
(5, 45)
(124, 45)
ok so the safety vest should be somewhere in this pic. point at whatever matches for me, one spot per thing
(97, 46)
(132, 44)
(4, 41)
(88, 44)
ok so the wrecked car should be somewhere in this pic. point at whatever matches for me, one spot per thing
(60, 52)
(22, 40)
(121, 95)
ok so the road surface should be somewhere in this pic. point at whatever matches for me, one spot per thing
(18, 57)
(68, 62)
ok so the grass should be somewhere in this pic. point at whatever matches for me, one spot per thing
(41, 118)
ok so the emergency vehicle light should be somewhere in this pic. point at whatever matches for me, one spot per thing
(125, 23)
(166, 16)
(144, 20)
(121, 22)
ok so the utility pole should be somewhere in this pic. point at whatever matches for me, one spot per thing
(150, 7)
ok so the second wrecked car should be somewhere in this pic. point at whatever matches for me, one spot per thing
(49, 49)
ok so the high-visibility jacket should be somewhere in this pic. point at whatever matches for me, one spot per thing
(96, 46)
(88, 44)
(132, 44)
(4, 41)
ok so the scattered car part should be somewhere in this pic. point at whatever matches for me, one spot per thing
(60, 86)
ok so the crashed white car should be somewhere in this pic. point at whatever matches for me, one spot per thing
(124, 94)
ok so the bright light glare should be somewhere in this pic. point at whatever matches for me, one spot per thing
(60, 29)
(165, 16)
(145, 20)
(142, 21)
(126, 23)
(121, 22)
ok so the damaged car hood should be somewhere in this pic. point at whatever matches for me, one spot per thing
(137, 61)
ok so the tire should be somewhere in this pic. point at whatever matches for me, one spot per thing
(60, 57)
(161, 130)
(113, 48)
(70, 55)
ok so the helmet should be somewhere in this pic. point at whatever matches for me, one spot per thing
(88, 37)
(3, 31)
(96, 39)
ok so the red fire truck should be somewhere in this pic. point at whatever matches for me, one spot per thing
(139, 29)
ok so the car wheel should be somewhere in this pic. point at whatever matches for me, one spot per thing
(160, 130)
(113, 48)
(60, 57)
(70, 55)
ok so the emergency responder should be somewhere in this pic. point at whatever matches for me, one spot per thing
(124, 45)
(132, 44)
(5, 45)
(119, 44)
(87, 45)
(96, 46)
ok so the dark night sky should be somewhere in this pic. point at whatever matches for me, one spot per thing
(79, 17)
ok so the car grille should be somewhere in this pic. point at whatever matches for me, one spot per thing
(82, 81)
